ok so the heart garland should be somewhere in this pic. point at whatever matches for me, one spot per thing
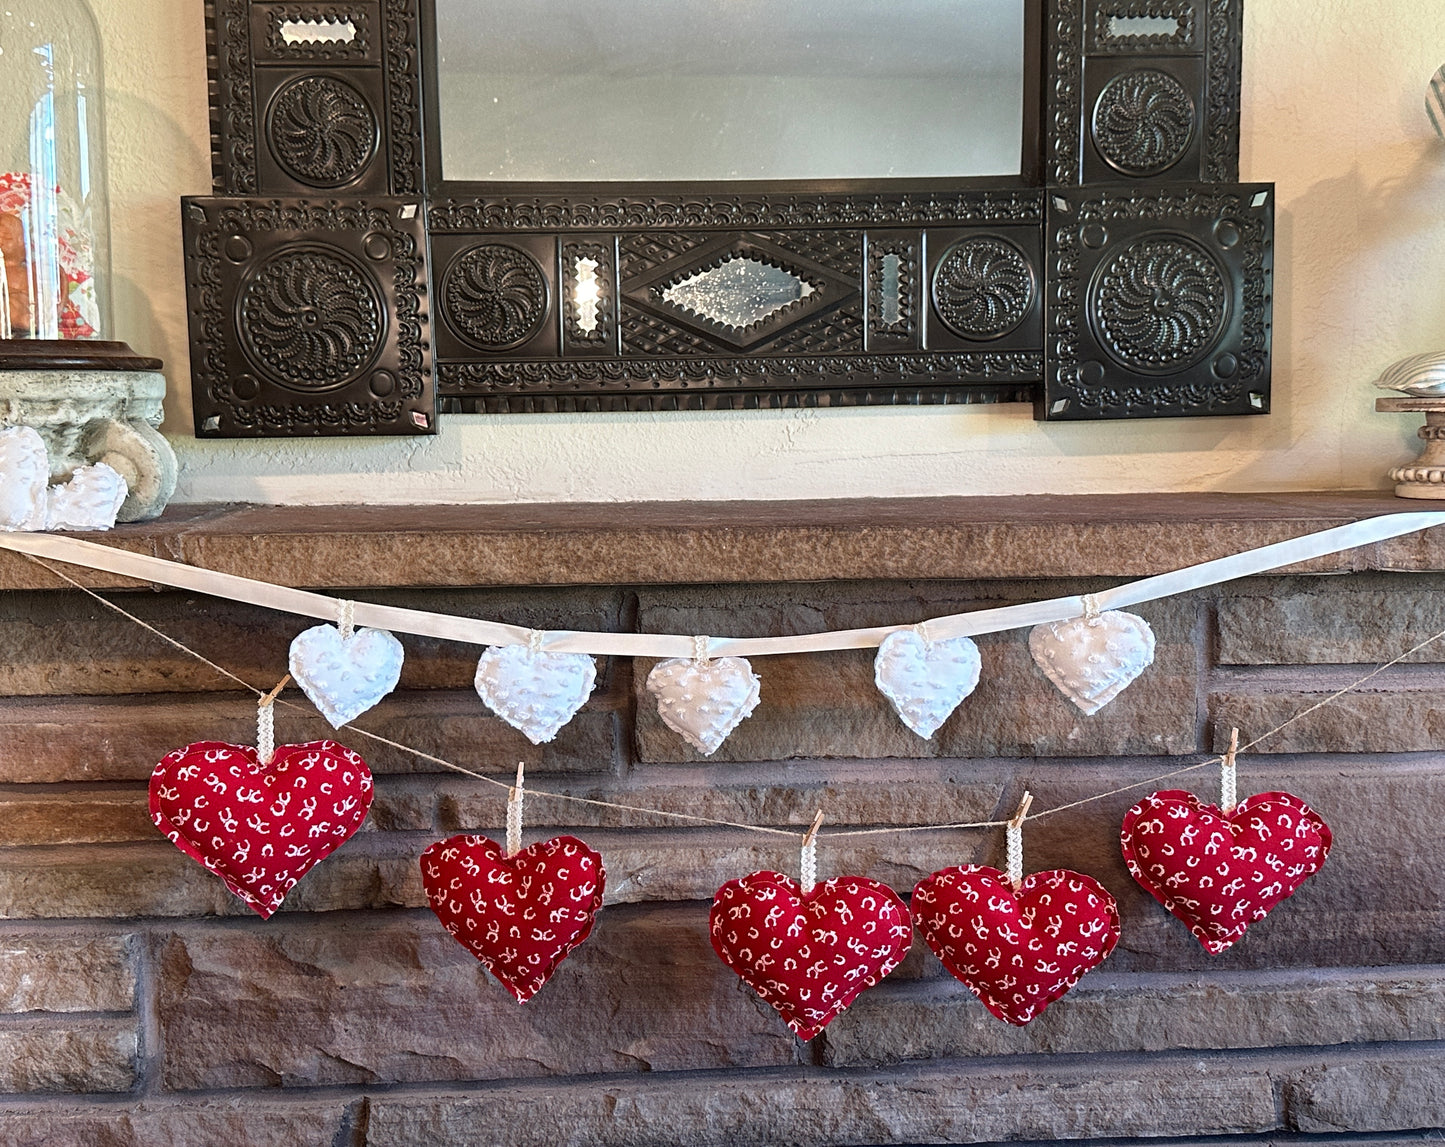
(345, 672)
(532, 690)
(703, 700)
(89, 501)
(925, 681)
(1092, 659)
(1219, 872)
(809, 955)
(1017, 951)
(260, 827)
(520, 915)
(24, 478)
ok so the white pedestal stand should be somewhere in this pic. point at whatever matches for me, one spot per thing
(1425, 477)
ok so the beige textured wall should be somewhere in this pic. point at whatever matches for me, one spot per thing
(1333, 112)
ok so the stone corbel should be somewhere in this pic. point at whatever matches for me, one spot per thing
(88, 416)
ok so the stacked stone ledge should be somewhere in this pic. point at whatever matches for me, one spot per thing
(142, 1004)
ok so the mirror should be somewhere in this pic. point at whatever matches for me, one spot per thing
(706, 91)
(517, 206)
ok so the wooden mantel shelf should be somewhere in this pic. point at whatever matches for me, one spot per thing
(653, 543)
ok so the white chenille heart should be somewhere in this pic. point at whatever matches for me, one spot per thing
(1091, 660)
(704, 701)
(345, 676)
(24, 476)
(532, 690)
(926, 680)
(89, 501)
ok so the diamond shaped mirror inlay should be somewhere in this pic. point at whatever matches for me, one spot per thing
(738, 293)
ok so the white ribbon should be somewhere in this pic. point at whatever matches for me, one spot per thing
(448, 628)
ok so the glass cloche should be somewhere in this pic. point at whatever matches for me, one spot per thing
(54, 213)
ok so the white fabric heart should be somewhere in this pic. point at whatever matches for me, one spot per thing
(532, 690)
(89, 501)
(345, 676)
(926, 680)
(704, 701)
(24, 476)
(1091, 660)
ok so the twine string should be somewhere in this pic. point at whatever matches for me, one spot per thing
(346, 619)
(690, 818)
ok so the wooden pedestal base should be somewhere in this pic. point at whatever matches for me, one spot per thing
(73, 354)
(1425, 477)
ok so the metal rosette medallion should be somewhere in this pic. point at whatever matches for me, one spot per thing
(495, 296)
(984, 287)
(1143, 122)
(321, 131)
(1159, 304)
(311, 318)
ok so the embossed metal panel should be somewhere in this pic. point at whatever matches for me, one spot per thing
(321, 131)
(308, 318)
(985, 286)
(747, 291)
(1163, 301)
(587, 284)
(315, 96)
(333, 34)
(1144, 120)
(495, 295)
(689, 313)
(897, 288)
(1143, 90)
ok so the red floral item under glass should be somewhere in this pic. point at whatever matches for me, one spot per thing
(20, 234)
(1218, 872)
(260, 828)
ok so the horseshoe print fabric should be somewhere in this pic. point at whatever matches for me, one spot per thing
(809, 956)
(260, 828)
(1221, 872)
(1020, 951)
(520, 915)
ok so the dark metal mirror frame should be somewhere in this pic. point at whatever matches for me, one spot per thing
(338, 285)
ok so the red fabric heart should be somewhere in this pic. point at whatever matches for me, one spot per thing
(260, 828)
(520, 915)
(809, 956)
(1018, 952)
(1220, 873)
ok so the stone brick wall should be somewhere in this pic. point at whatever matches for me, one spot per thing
(143, 1005)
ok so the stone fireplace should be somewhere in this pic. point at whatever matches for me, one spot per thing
(144, 1005)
